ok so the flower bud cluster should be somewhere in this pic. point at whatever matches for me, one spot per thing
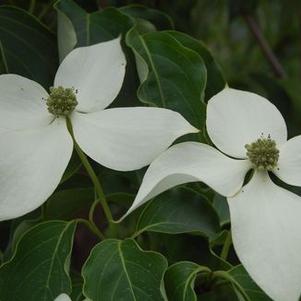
(61, 101)
(263, 153)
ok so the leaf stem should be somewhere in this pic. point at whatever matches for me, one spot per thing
(92, 227)
(91, 211)
(226, 246)
(91, 218)
(226, 276)
(95, 181)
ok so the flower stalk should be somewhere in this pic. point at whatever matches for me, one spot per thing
(95, 181)
(226, 246)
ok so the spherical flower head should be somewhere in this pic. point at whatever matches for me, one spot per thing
(61, 101)
(263, 153)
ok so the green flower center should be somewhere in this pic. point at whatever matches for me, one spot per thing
(61, 101)
(263, 153)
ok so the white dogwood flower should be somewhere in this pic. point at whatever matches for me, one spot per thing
(36, 145)
(265, 218)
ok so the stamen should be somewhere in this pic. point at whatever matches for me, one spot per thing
(263, 153)
(61, 101)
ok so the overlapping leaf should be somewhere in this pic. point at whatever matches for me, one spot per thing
(172, 76)
(27, 47)
(179, 211)
(119, 270)
(66, 204)
(158, 18)
(39, 269)
(250, 287)
(180, 279)
(91, 28)
(215, 79)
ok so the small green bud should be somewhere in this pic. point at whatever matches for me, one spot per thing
(61, 101)
(263, 153)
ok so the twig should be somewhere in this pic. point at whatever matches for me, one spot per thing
(265, 47)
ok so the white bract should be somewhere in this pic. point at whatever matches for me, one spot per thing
(65, 297)
(36, 145)
(265, 218)
(62, 297)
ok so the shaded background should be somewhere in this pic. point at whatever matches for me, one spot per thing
(258, 46)
(256, 42)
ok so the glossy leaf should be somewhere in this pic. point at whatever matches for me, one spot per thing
(246, 282)
(158, 18)
(27, 47)
(180, 283)
(172, 75)
(73, 166)
(66, 35)
(179, 211)
(120, 270)
(91, 28)
(175, 248)
(221, 206)
(180, 279)
(66, 204)
(17, 228)
(215, 78)
(39, 269)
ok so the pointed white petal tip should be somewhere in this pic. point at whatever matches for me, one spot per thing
(191, 162)
(236, 118)
(96, 71)
(128, 138)
(265, 221)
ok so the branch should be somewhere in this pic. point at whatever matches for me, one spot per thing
(265, 47)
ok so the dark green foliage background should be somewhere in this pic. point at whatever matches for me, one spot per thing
(176, 246)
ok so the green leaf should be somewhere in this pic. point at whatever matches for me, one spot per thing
(180, 280)
(67, 204)
(221, 206)
(250, 287)
(27, 47)
(95, 27)
(183, 278)
(174, 248)
(158, 18)
(178, 211)
(18, 227)
(66, 35)
(73, 166)
(172, 75)
(39, 269)
(120, 270)
(215, 78)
